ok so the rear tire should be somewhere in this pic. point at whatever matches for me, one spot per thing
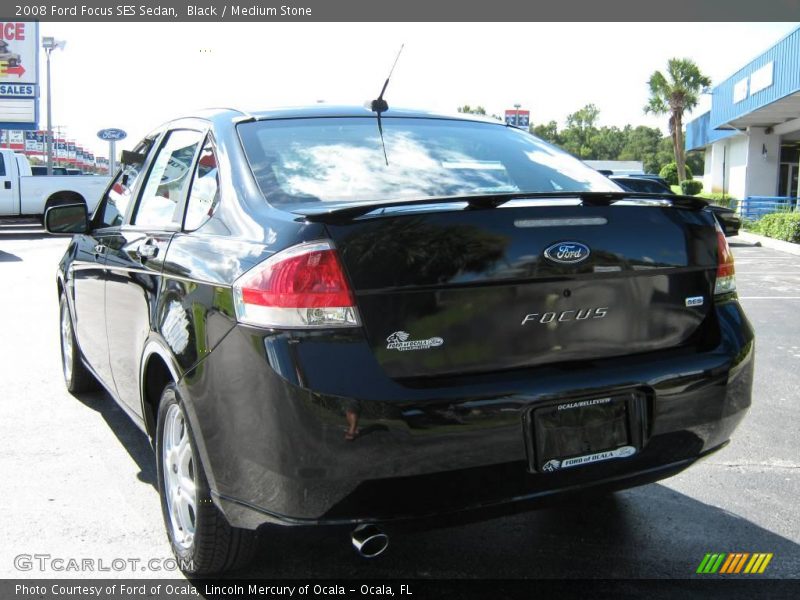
(76, 376)
(201, 538)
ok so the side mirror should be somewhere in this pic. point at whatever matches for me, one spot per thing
(67, 218)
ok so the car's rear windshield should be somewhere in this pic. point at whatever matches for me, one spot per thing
(333, 159)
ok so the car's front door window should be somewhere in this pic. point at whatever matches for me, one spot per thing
(115, 203)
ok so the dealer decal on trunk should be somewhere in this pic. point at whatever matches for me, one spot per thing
(399, 340)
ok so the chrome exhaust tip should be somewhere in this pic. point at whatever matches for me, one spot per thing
(369, 541)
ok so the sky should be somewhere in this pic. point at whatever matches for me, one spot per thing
(136, 76)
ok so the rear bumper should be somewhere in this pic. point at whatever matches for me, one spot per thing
(272, 412)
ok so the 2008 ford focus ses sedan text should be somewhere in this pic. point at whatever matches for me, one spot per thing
(332, 315)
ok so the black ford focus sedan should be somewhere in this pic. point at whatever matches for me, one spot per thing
(330, 315)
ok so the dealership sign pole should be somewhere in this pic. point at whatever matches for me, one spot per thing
(49, 44)
(112, 135)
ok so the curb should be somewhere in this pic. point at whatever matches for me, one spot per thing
(768, 242)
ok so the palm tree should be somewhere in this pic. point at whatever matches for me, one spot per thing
(675, 93)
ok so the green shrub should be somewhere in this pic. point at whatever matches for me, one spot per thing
(670, 173)
(716, 198)
(691, 187)
(750, 225)
(781, 226)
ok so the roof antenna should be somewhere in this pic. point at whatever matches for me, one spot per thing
(379, 105)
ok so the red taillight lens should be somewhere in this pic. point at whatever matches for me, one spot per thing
(726, 277)
(303, 286)
(310, 280)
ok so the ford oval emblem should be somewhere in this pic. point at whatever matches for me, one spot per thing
(112, 134)
(567, 253)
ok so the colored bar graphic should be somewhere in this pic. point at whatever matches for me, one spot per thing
(729, 563)
(703, 563)
(734, 562)
(741, 562)
(711, 563)
(759, 562)
(765, 563)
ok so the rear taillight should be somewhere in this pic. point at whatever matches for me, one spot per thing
(726, 277)
(303, 286)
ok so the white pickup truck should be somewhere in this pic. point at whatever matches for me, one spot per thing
(22, 194)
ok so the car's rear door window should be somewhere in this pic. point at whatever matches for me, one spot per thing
(162, 198)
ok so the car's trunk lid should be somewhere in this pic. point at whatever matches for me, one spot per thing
(452, 290)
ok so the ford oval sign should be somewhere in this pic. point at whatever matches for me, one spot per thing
(111, 134)
(567, 253)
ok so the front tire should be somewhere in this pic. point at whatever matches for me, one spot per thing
(201, 538)
(76, 376)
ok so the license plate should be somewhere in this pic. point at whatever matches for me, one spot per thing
(582, 432)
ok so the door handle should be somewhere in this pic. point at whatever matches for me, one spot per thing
(7, 185)
(148, 251)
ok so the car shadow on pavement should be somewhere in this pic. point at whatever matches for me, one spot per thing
(647, 532)
(8, 257)
(132, 438)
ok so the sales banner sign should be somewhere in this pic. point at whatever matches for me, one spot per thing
(30, 142)
(19, 74)
(16, 140)
(518, 118)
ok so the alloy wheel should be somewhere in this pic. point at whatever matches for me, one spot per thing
(179, 482)
(67, 347)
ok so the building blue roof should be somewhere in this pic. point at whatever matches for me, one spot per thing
(737, 101)
(776, 72)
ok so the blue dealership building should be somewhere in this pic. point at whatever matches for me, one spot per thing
(751, 135)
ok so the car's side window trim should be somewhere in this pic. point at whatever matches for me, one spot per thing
(134, 206)
(208, 139)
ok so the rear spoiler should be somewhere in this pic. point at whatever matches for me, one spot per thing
(350, 210)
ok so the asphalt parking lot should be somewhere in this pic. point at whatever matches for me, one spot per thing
(80, 477)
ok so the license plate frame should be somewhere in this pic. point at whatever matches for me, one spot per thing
(574, 432)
